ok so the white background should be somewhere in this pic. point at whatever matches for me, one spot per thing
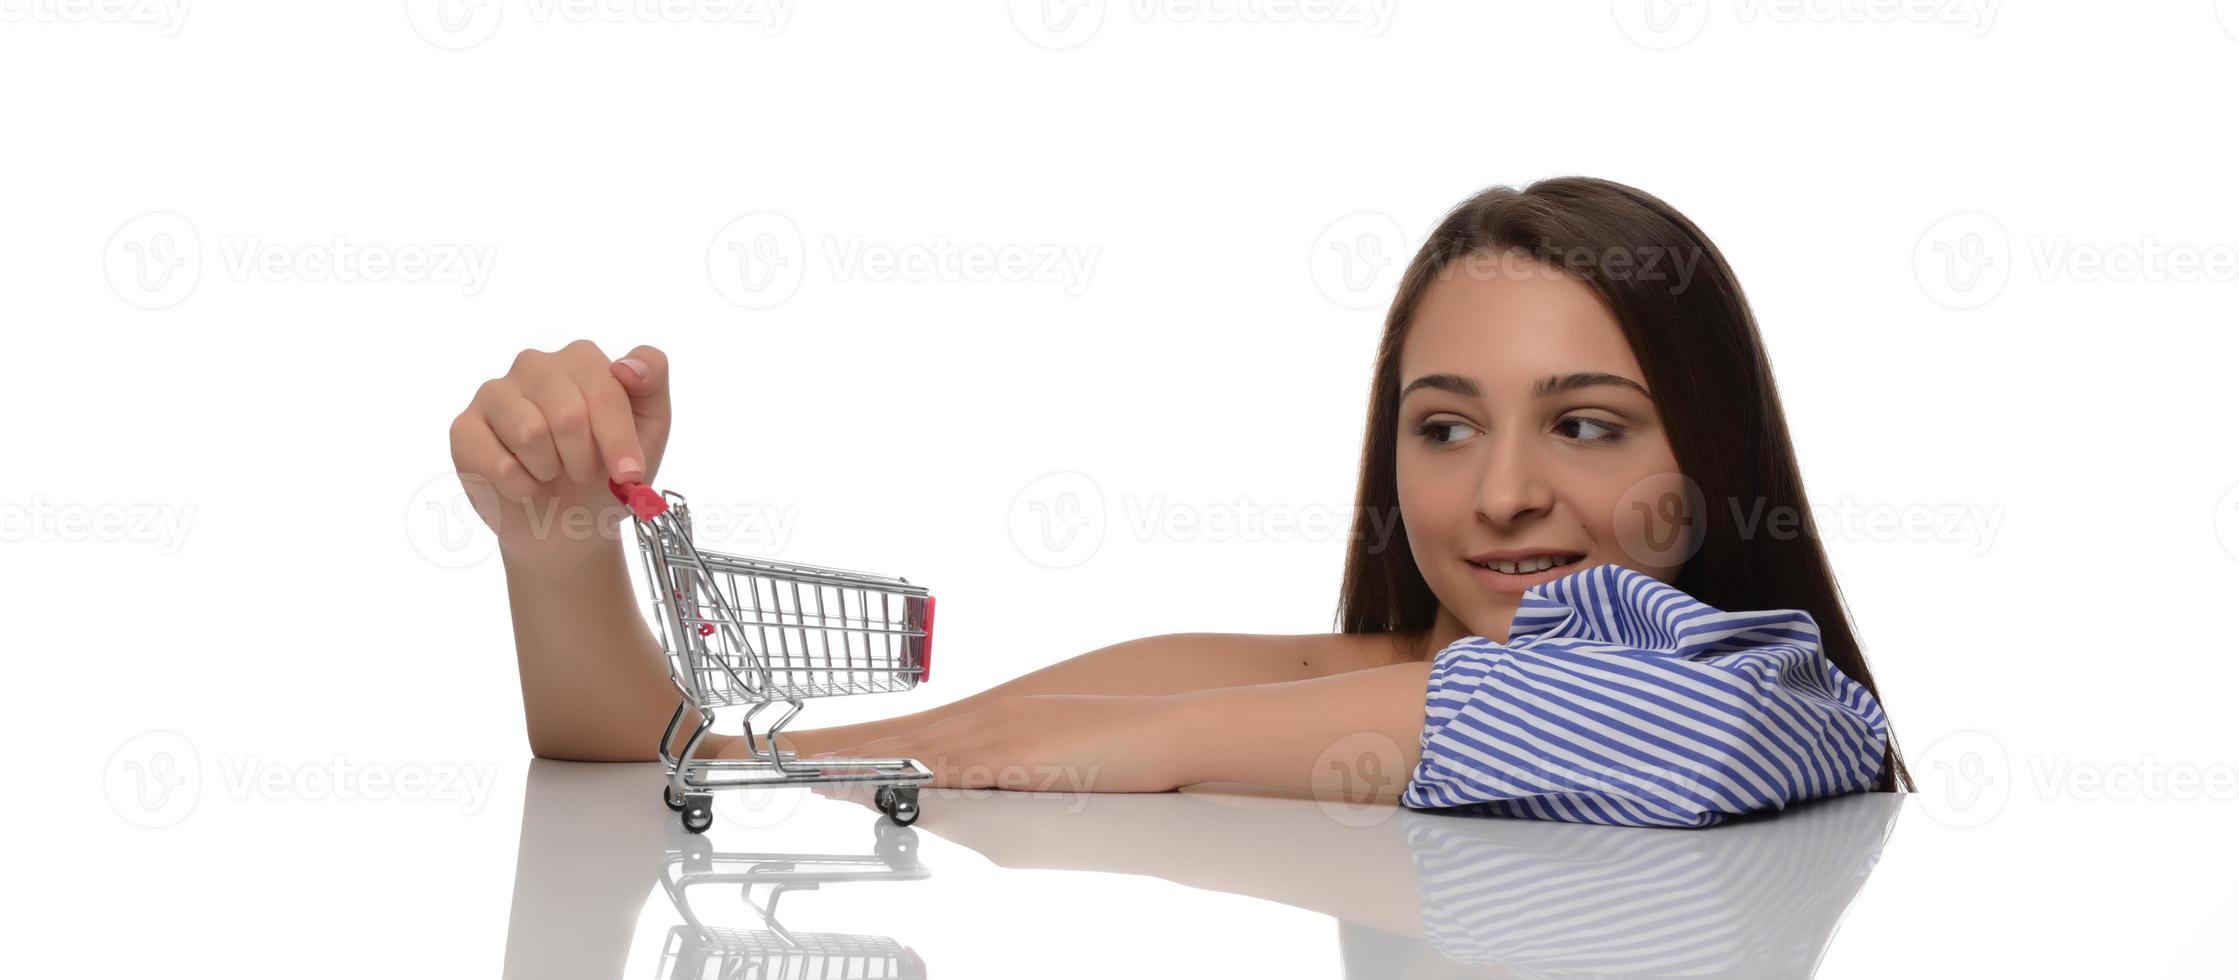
(1991, 249)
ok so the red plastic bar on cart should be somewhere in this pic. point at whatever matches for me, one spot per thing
(925, 655)
(646, 502)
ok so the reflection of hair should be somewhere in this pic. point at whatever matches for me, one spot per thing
(1690, 327)
(1759, 897)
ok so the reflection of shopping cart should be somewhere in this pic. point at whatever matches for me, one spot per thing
(698, 949)
(746, 631)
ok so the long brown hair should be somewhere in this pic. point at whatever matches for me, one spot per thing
(1693, 334)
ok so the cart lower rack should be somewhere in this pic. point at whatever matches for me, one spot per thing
(751, 632)
(697, 948)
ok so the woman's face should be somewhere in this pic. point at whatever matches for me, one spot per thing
(1528, 439)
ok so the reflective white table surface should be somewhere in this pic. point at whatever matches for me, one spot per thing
(250, 866)
(1229, 881)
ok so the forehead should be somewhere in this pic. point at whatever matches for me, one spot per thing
(1507, 323)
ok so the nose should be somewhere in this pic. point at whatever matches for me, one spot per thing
(1513, 487)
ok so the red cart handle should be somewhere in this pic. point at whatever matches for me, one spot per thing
(646, 502)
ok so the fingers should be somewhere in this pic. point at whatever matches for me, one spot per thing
(520, 427)
(610, 394)
(477, 452)
(612, 424)
(568, 417)
(644, 373)
(569, 413)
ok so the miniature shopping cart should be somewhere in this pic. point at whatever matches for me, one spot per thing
(698, 948)
(748, 631)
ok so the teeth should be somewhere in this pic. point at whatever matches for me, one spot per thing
(1538, 563)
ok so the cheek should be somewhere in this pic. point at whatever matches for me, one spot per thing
(1653, 521)
(1428, 509)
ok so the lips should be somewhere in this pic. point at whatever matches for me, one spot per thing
(1515, 571)
(1525, 561)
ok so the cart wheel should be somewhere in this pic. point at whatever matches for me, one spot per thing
(672, 798)
(699, 813)
(899, 803)
(897, 845)
(696, 855)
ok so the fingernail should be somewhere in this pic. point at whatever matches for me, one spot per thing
(643, 371)
(629, 466)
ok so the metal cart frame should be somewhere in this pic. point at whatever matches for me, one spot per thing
(738, 632)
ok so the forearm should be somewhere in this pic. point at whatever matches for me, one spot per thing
(594, 683)
(1354, 736)
(1171, 663)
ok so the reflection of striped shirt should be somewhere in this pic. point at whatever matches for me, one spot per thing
(1760, 898)
(1619, 699)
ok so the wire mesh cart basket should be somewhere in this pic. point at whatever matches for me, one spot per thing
(699, 949)
(751, 632)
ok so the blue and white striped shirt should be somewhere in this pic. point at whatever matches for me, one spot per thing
(1619, 699)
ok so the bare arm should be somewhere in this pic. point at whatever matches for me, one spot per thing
(1171, 663)
(534, 450)
(1354, 737)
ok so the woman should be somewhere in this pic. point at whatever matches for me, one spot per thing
(1574, 418)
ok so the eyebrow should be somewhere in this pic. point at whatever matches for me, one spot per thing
(1547, 387)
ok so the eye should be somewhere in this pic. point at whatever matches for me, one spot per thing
(1583, 429)
(1430, 430)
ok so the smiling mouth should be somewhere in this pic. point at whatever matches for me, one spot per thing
(1529, 566)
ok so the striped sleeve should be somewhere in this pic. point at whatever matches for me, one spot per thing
(1619, 699)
